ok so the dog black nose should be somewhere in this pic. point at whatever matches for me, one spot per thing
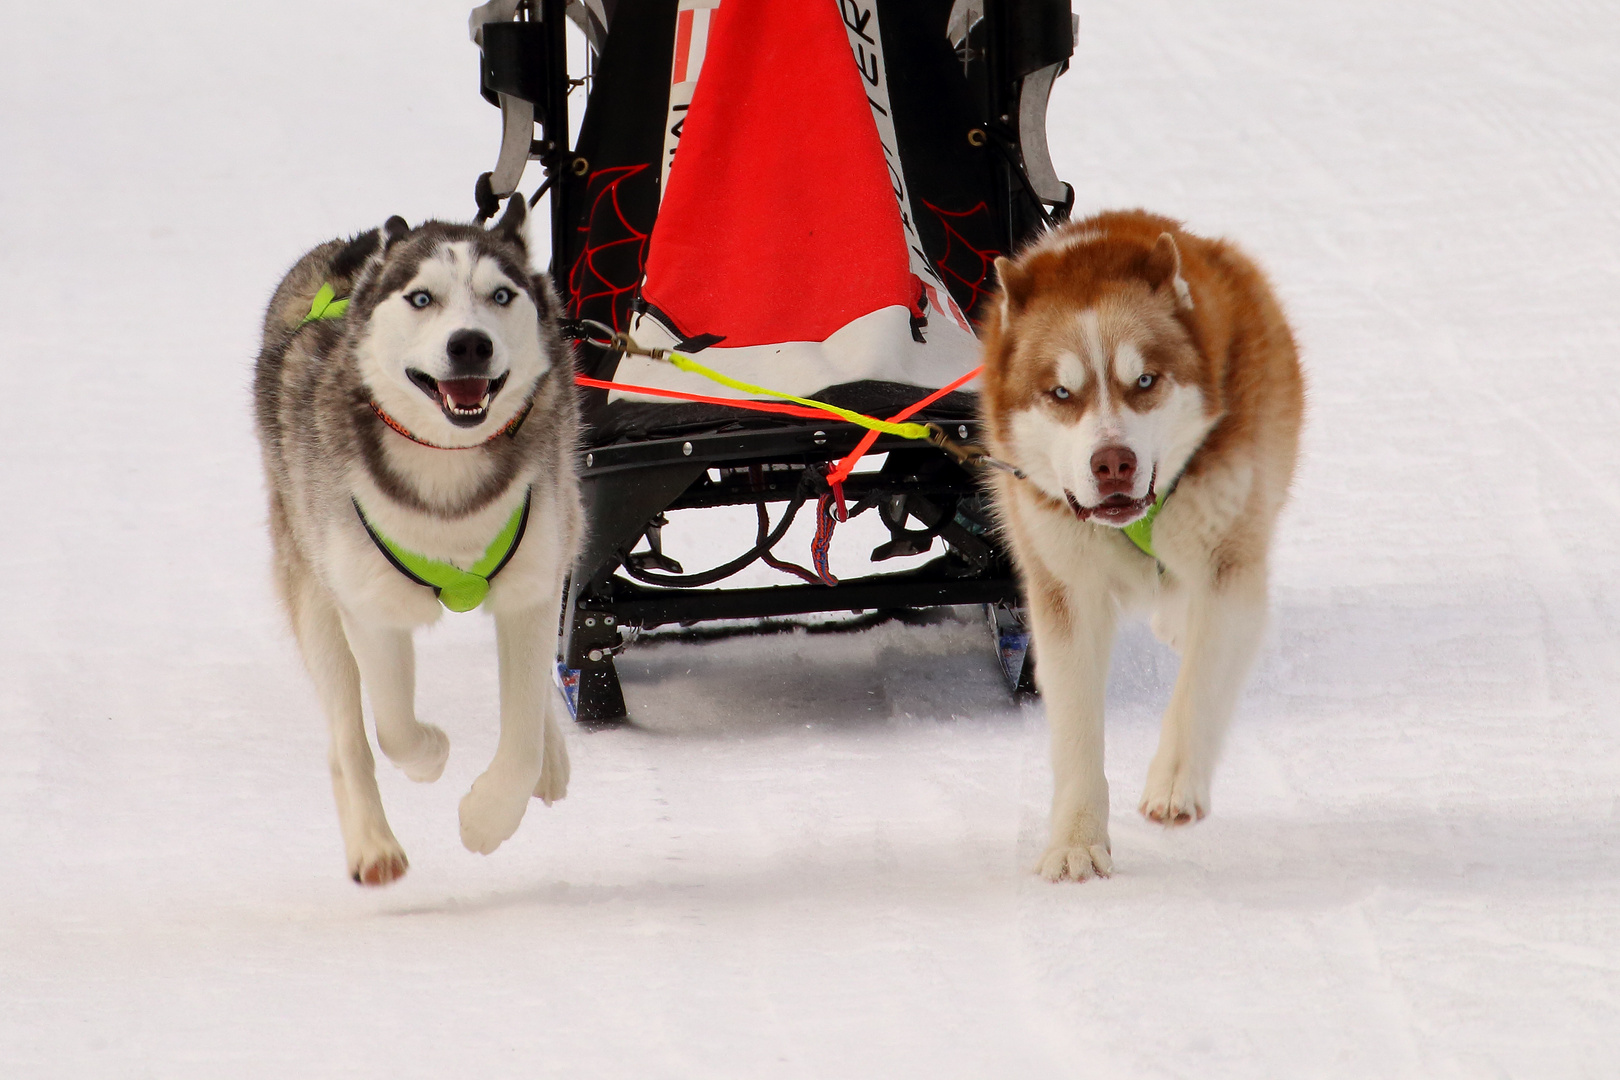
(470, 351)
(1115, 470)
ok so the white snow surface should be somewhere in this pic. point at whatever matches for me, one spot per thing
(810, 855)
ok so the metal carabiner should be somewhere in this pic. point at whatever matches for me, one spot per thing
(968, 453)
(596, 333)
(604, 336)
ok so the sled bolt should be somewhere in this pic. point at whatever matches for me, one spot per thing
(820, 438)
(961, 431)
(686, 448)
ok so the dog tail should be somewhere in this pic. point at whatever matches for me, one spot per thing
(336, 263)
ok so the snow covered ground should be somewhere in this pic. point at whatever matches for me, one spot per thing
(810, 856)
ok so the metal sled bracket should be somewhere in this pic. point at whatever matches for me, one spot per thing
(517, 138)
(585, 672)
(515, 74)
(517, 114)
(1043, 177)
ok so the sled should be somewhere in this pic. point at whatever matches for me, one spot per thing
(806, 196)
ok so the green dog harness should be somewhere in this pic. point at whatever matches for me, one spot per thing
(1140, 531)
(457, 589)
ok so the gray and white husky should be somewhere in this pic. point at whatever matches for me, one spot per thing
(427, 430)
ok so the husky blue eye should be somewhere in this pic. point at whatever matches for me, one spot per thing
(1146, 381)
(1061, 393)
(502, 296)
(421, 298)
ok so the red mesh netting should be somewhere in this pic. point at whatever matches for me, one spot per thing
(961, 261)
(610, 266)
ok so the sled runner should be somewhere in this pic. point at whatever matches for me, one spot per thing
(805, 197)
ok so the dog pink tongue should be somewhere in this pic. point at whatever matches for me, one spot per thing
(464, 393)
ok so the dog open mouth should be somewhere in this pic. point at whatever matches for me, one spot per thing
(1116, 510)
(465, 402)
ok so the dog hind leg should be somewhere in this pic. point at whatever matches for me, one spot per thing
(1169, 619)
(1224, 625)
(1074, 633)
(374, 855)
(388, 670)
(554, 765)
(530, 758)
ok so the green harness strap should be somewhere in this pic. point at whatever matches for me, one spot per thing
(325, 306)
(457, 589)
(1140, 531)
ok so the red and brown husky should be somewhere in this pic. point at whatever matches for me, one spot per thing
(1136, 371)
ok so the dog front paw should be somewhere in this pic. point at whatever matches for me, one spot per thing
(1075, 863)
(1079, 849)
(1175, 794)
(491, 811)
(377, 860)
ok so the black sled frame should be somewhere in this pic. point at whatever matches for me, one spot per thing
(643, 460)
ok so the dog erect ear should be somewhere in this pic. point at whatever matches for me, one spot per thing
(510, 227)
(1016, 285)
(1164, 268)
(394, 230)
(347, 262)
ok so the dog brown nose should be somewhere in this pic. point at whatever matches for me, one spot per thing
(1115, 470)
